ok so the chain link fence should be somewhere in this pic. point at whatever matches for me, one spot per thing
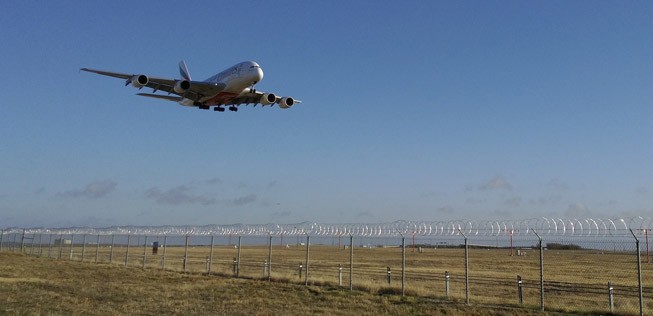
(590, 266)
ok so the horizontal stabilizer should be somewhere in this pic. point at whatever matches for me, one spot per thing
(158, 96)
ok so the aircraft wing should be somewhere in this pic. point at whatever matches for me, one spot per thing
(197, 90)
(160, 96)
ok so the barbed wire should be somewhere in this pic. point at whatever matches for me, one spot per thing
(489, 228)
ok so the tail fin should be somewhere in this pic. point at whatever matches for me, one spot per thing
(183, 70)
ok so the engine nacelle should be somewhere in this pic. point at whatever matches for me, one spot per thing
(286, 102)
(268, 98)
(181, 86)
(139, 81)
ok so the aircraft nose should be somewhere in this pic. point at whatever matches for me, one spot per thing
(259, 74)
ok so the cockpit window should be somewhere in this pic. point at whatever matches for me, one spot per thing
(250, 67)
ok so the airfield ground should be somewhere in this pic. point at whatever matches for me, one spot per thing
(37, 285)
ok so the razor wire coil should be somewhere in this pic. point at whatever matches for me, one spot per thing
(546, 226)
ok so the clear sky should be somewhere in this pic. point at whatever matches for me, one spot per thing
(413, 110)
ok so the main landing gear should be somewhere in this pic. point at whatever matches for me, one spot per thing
(218, 108)
(221, 109)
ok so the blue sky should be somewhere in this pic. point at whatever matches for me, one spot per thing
(419, 110)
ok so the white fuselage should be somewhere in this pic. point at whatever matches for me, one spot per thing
(237, 80)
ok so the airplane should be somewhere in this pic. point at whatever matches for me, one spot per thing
(232, 87)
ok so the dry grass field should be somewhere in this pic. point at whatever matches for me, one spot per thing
(31, 285)
(575, 280)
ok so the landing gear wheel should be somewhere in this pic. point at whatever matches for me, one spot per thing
(233, 109)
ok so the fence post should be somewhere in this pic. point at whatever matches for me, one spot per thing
(520, 290)
(144, 252)
(541, 246)
(639, 274)
(185, 254)
(238, 263)
(60, 246)
(39, 253)
(466, 268)
(97, 248)
(13, 245)
(50, 246)
(83, 247)
(308, 246)
(127, 251)
(235, 266)
(72, 244)
(31, 246)
(31, 251)
(210, 256)
(208, 264)
(40, 245)
(611, 297)
(403, 264)
(163, 258)
(270, 258)
(111, 250)
(22, 241)
(351, 262)
(2, 234)
(446, 283)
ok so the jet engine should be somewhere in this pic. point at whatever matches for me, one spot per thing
(286, 102)
(181, 86)
(139, 81)
(268, 98)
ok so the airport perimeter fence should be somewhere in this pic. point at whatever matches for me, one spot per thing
(589, 265)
